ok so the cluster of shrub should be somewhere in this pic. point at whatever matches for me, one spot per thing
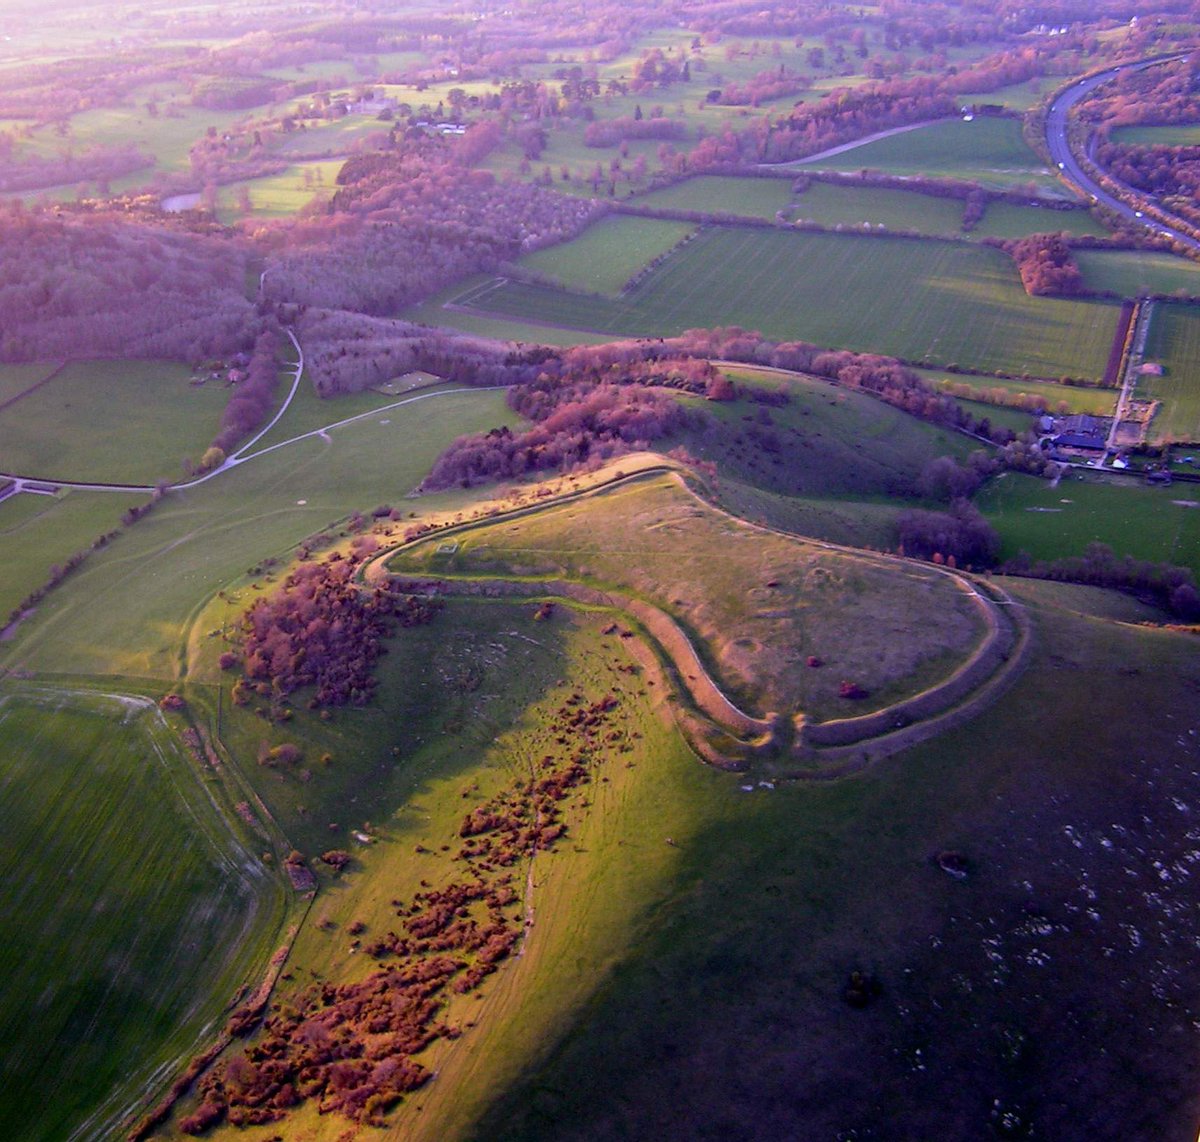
(322, 630)
(95, 164)
(610, 132)
(352, 1047)
(578, 423)
(960, 537)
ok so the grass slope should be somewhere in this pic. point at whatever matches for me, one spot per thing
(725, 1018)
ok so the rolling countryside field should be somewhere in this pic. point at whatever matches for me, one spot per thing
(534, 739)
(907, 298)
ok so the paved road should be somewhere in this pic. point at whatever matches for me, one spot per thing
(1068, 164)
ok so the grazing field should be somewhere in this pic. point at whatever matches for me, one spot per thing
(1008, 220)
(1175, 342)
(132, 912)
(1145, 522)
(606, 255)
(1059, 398)
(129, 422)
(38, 531)
(125, 611)
(989, 151)
(992, 989)
(1138, 273)
(944, 301)
(1167, 135)
(758, 613)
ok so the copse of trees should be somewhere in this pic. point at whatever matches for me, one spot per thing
(960, 536)
(95, 164)
(321, 630)
(1046, 265)
(253, 396)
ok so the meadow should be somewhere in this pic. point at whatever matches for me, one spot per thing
(1008, 220)
(1070, 398)
(280, 195)
(917, 300)
(1174, 341)
(140, 911)
(126, 610)
(18, 378)
(128, 422)
(1133, 519)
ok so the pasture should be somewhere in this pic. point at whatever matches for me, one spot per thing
(1133, 519)
(129, 422)
(944, 302)
(608, 253)
(986, 150)
(1138, 273)
(279, 195)
(862, 207)
(1174, 341)
(16, 379)
(749, 197)
(132, 912)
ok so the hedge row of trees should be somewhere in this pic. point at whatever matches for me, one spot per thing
(1167, 585)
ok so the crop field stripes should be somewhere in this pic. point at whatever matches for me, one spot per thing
(474, 297)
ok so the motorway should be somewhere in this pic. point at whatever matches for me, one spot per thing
(1069, 166)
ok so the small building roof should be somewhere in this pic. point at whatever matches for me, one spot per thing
(1079, 440)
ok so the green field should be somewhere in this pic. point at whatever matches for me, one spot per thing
(749, 197)
(280, 195)
(1131, 518)
(1174, 341)
(989, 151)
(1008, 220)
(941, 301)
(132, 912)
(860, 207)
(606, 255)
(16, 379)
(1168, 135)
(126, 610)
(1137, 273)
(129, 422)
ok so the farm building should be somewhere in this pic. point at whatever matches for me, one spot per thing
(1079, 440)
